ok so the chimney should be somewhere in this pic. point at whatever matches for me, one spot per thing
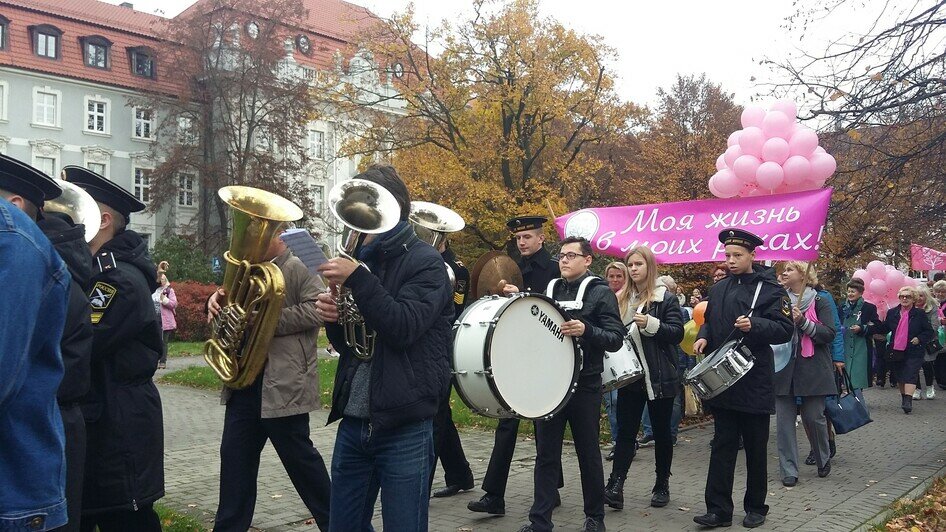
(128, 5)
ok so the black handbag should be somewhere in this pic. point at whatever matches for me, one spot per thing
(933, 346)
(847, 411)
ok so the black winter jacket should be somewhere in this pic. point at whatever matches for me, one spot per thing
(603, 328)
(538, 270)
(919, 327)
(661, 347)
(771, 324)
(407, 300)
(125, 455)
(76, 344)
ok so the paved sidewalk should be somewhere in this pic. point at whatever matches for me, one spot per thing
(875, 465)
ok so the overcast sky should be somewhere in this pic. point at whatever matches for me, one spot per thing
(656, 40)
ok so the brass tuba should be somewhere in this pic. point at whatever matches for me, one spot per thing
(363, 207)
(242, 331)
(432, 223)
(78, 205)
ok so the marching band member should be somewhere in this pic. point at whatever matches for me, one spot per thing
(743, 409)
(538, 269)
(655, 324)
(386, 404)
(595, 322)
(125, 456)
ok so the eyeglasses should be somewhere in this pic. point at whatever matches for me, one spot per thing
(570, 256)
(905, 296)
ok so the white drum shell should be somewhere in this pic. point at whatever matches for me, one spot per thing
(508, 363)
(720, 370)
(621, 367)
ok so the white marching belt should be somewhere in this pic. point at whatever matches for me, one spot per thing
(578, 303)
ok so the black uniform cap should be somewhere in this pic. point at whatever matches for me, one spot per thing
(738, 237)
(103, 190)
(24, 180)
(525, 223)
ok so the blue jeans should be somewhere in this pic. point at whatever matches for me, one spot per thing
(396, 462)
(611, 407)
(675, 418)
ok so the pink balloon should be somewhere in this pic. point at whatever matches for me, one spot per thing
(876, 269)
(733, 138)
(769, 175)
(748, 190)
(727, 184)
(862, 275)
(752, 116)
(823, 166)
(797, 169)
(751, 141)
(732, 153)
(745, 168)
(720, 162)
(712, 187)
(895, 279)
(775, 150)
(776, 124)
(782, 189)
(785, 106)
(803, 142)
(819, 149)
(878, 286)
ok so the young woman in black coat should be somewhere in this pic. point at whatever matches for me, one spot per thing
(655, 327)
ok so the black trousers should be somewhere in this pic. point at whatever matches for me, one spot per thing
(500, 460)
(939, 367)
(631, 402)
(73, 424)
(144, 520)
(447, 447)
(244, 435)
(582, 414)
(754, 428)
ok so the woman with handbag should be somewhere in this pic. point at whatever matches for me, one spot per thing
(808, 375)
(926, 303)
(655, 328)
(910, 331)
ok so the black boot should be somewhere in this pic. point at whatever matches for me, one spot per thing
(906, 403)
(661, 493)
(833, 447)
(490, 504)
(614, 492)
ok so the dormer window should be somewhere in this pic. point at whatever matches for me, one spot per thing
(142, 62)
(4, 30)
(303, 44)
(47, 41)
(96, 50)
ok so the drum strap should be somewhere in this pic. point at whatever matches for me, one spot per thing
(578, 303)
(755, 299)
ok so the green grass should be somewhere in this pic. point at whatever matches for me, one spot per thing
(173, 521)
(189, 349)
(193, 376)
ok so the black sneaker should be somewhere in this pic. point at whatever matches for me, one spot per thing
(753, 520)
(811, 458)
(593, 525)
(661, 493)
(709, 520)
(646, 441)
(490, 504)
(826, 470)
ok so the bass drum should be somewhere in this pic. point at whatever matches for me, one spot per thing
(511, 359)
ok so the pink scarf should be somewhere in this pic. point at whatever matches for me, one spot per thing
(807, 346)
(901, 336)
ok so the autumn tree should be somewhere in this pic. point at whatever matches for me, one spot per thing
(500, 114)
(240, 112)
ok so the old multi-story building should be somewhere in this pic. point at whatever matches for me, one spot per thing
(70, 72)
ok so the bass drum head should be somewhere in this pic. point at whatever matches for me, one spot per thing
(534, 365)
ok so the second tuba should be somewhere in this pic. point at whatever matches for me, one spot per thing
(255, 288)
(433, 223)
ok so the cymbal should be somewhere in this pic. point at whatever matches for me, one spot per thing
(489, 270)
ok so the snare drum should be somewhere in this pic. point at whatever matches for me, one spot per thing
(511, 359)
(621, 367)
(720, 370)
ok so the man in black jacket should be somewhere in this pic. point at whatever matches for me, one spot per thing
(746, 406)
(69, 241)
(386, 403)
(538, 269)
(595, 322)
(125, 457)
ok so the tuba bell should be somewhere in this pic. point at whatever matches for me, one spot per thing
(255, 288)
(78, 205)
(363, 207)
(432, 223)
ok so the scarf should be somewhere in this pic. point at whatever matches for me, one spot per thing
(806, 304)
(902, 335)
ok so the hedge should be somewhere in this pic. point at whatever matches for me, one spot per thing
(191, 316)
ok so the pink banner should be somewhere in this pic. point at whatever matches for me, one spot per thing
(923, 259)
(790, 224)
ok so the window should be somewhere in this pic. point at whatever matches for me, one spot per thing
(143, 184)
(4, 92)
(46, 107)
(144, 123)
(96, 116)
(46, 40)
(319, 192)
(186, 133)
(4, 29)
(96, 51)
(142, 62)
(185, 194)
(47, 165)
(317, 144)
(98, 168)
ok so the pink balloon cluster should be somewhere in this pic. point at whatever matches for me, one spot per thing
(771, 155)
(882, 282)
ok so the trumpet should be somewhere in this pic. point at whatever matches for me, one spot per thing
(432, 223)
(363, 207)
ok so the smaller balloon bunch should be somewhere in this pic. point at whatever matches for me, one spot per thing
(882, 283)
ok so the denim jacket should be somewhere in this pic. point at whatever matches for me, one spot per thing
(36, 287)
